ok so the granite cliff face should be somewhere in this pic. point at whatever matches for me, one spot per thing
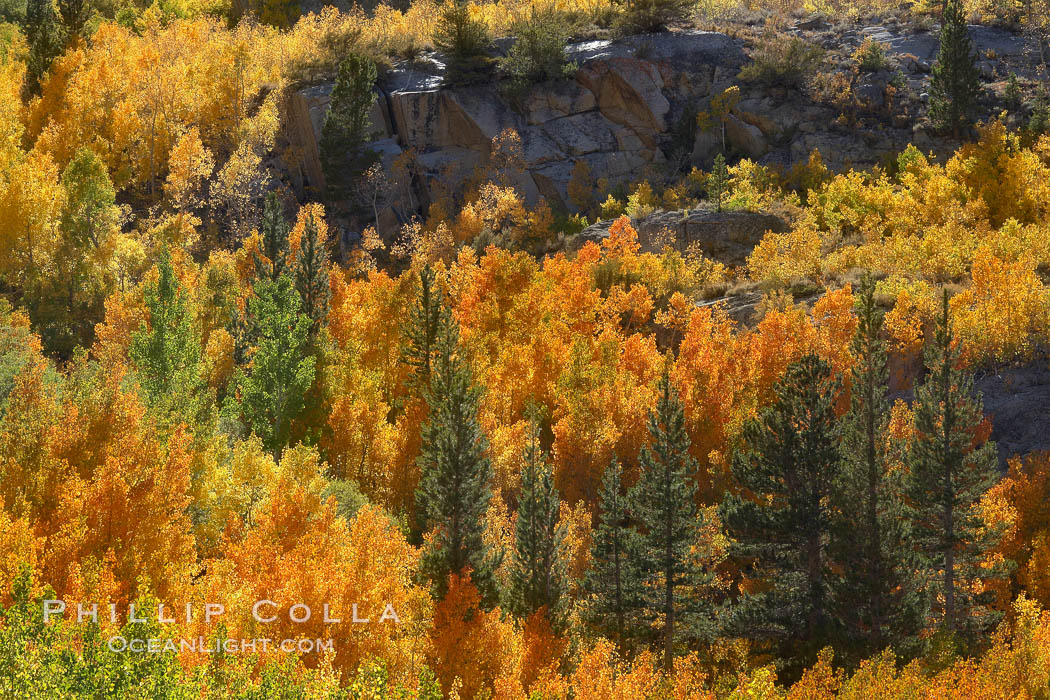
(615, 113)
(629, 110)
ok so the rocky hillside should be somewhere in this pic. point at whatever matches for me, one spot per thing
(629, 110)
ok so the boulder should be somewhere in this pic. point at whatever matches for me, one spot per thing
(300, 134)
(746, 138)
(552, 179)
(727, 236)
(870, 89)
(552, 182)
(485, 109)
(877, 33)
(688, 49)
(915, 65)
(706, 146)
(538, 147)
(1014, 398)
(388, 149)
(581, 134)
(999, 42)
(615, 114)
(623, 111)
(813, 23)
(923, 46)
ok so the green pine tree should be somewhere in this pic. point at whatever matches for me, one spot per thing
(537, 573)
(67, 299)
(74, 14)
(45, 37)
(421, 330)
(271, 263)
(271, 393)
(947, 475)
(166, 352)
(664, 502)
(455, 486)
(1012, 95)
(955, 82)
(875, 598)
(614, 581)
(718, 181)
(463, 41)
(787, 467)
(311, 276)
(346, 126)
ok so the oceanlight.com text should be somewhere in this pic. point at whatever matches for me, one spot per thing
(155, 645)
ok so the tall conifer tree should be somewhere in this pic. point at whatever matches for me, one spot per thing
(455, 487)
(424, 319)
(782, 520)
(614, 580)
(948, 472)
(346, 125)
(955, 82)
(875, 599)
(45, 37)
(167, 353)
(537, 574)
(274, 241)
(664, 502)
(311, 275)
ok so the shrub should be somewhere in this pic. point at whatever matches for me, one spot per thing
(611, 207)
(642, 202)
(836, 89)
(870, 57)
(777, 59)
(643, 16)
(538, 54)
(464, 42)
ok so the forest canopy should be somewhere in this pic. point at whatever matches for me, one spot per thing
(544, 463)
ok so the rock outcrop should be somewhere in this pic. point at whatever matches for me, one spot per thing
(630, 108)
(726, 236)
(615, 114)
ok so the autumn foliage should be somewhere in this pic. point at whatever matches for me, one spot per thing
(159, 320)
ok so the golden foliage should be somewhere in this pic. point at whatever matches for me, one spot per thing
(301, 551)
(472, 649)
